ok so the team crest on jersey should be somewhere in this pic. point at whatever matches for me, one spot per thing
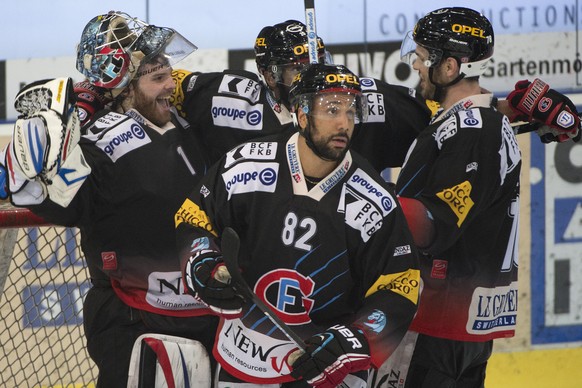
(287, 291)
(459, 200)
(248, 177)
(256, 150)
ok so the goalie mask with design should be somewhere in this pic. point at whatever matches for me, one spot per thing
(113, 46)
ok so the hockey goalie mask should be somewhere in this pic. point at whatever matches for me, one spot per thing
(162, 43)
(113, 46)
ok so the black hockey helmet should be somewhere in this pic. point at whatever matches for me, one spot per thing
(322, 78)
(457, 32)
(284, 43)
(114, 45)
(312, 87)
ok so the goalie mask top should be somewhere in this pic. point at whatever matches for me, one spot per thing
(113, 46)
(457, 32)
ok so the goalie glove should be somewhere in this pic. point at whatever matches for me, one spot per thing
(536, 102)
(47, 129)
(43, 157)
(90, 100)
(330, 356)
(206, 281)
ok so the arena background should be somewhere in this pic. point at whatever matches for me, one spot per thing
(533, 39)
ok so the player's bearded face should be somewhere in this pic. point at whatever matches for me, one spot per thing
(152, 93)
(332, 124)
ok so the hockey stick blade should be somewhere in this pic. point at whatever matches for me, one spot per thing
(230, 246)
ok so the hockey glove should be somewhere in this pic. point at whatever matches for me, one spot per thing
(535, 101)
(332, 355)
(47, 129)
(205, 280)
(90, 100)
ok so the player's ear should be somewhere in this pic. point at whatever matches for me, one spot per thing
(301, 118)
(452, 67)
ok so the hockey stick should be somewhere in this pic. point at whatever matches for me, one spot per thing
(311, 30)
(230, 246)
(520, 127)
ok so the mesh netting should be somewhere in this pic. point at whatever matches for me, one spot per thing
(43, 280)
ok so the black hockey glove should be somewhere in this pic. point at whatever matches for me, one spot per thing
(90, 100)
(202, 274)
(332, 355)
(535, 101)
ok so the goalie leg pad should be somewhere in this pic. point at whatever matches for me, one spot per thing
(174, 361)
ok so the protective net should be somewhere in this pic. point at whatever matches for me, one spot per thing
(43, 280)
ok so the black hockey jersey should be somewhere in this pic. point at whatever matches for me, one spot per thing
(465, 169)
(338, 253)
(230, 107)
(125, 209)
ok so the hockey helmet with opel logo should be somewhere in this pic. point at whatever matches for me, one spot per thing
(322, 78)
(326, 92)
(283, 44)
(113, 46)
(457, 32)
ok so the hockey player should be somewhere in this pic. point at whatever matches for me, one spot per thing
(233, 106)
(459, 189)
(120, 184)
(323, 242)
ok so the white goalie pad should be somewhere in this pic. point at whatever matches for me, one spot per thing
(164, 361)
